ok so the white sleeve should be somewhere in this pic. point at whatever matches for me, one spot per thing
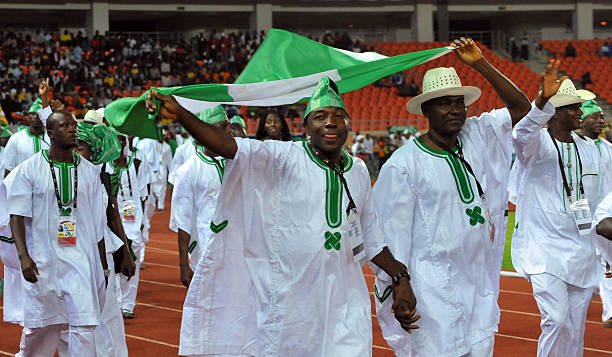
(604, 210)
(20, 194)
(528, 134)
(44, 114)
(10, 154)
(182, 210)
(395, 201)
(99, 206)
(373, 239)
(261, 157)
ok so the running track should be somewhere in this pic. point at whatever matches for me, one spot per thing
(155, 331)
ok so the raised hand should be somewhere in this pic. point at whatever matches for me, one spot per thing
(43, 92)
(169, 107)
(466, 50)
(550, 82)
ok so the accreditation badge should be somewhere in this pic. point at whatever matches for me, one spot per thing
(128, 211)
(352, 230)
(582, 216)
(66, 229)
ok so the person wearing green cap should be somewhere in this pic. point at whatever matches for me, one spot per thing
(98, 144)
(238, 126)
(5, 134)
(62, 254)
(592, 125)
(293, 225)
(194, 198)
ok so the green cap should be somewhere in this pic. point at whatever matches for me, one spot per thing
(589, 107)
(102, 141)
(237, 119)
(324, 95)
(5, 132)
(213, 115)
(36, 106)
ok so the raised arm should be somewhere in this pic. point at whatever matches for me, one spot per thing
(212, 138)
(527, 132)
(515, 100)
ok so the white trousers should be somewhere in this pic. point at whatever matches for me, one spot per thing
(45, 341)
(129, 289)
(483, 348)
(149, 209)
(605, 291)
(110, 335)
(563, 308)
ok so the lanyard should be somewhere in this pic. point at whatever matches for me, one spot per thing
(461, 158)
(217, 163)
(340, 174)
(55, 185)
(120, 169)
(566, 186)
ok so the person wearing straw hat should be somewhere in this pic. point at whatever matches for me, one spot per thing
(592, 125)
(194, 198)
(294, 223)
(439, 199)
(57, 195)
(560, 181)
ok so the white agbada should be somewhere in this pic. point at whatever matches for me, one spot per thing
(435, 223)
(70, 286)
(21, 146)
(546, 239)
(194, 200)
(160, 186)
(181, 155)
(266, 285)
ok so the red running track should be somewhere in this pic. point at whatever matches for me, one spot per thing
(155, 331)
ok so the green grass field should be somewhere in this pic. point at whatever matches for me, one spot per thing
(507, 262)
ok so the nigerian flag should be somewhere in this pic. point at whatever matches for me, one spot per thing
(284, 70)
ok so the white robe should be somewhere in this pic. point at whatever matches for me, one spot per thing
(138, 192)
(266, 285)
(194, 200)
(546, 239)
(21, 146)
(422, 198)
(181, 155)
(70, 287)
(160, 186)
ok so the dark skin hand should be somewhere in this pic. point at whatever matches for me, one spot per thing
(328, 129)
(183, 245)
(604, 228)
(28, 267)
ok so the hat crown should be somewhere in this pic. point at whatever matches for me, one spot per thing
(567, 87)
(440, 78)
(93, 116)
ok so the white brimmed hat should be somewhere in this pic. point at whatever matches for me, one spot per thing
(93, 117)
(568, 95)
(442, 82)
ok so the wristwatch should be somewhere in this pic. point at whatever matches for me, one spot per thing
(395, 279)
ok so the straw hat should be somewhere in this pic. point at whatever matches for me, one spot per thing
(568, 95)
(93, 117)
(442, 82)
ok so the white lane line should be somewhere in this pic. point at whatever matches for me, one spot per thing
(536, 341)
(162, 265)
(382, 348)
(4, 353)
(158, 307)
(151, 340)
(538, 315)
(530, 294)
(160, 250)
(160, 283)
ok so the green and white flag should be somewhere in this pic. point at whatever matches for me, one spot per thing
(284, 70)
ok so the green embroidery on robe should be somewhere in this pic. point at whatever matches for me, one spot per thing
(460, 174)
(332, 240)
(218, 227)
(65, 177)
(65, 211)
(385, 295)
(220, 168)
(475, 215)
(6, 239)
(192, 246)
(334, 190)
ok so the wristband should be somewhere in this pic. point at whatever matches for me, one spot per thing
(396, 278)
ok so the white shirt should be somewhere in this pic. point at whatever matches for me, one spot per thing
(604, 210)
(194, 200)
(266, 284)
(131, 189)
(73, 271)
(21, 146)
(181, 155)
(546, 239)
(435, 223)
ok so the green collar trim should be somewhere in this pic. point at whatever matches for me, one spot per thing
(348, 159)
(207, 160)
(460, 174)
(76, 157)
(65, 176)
